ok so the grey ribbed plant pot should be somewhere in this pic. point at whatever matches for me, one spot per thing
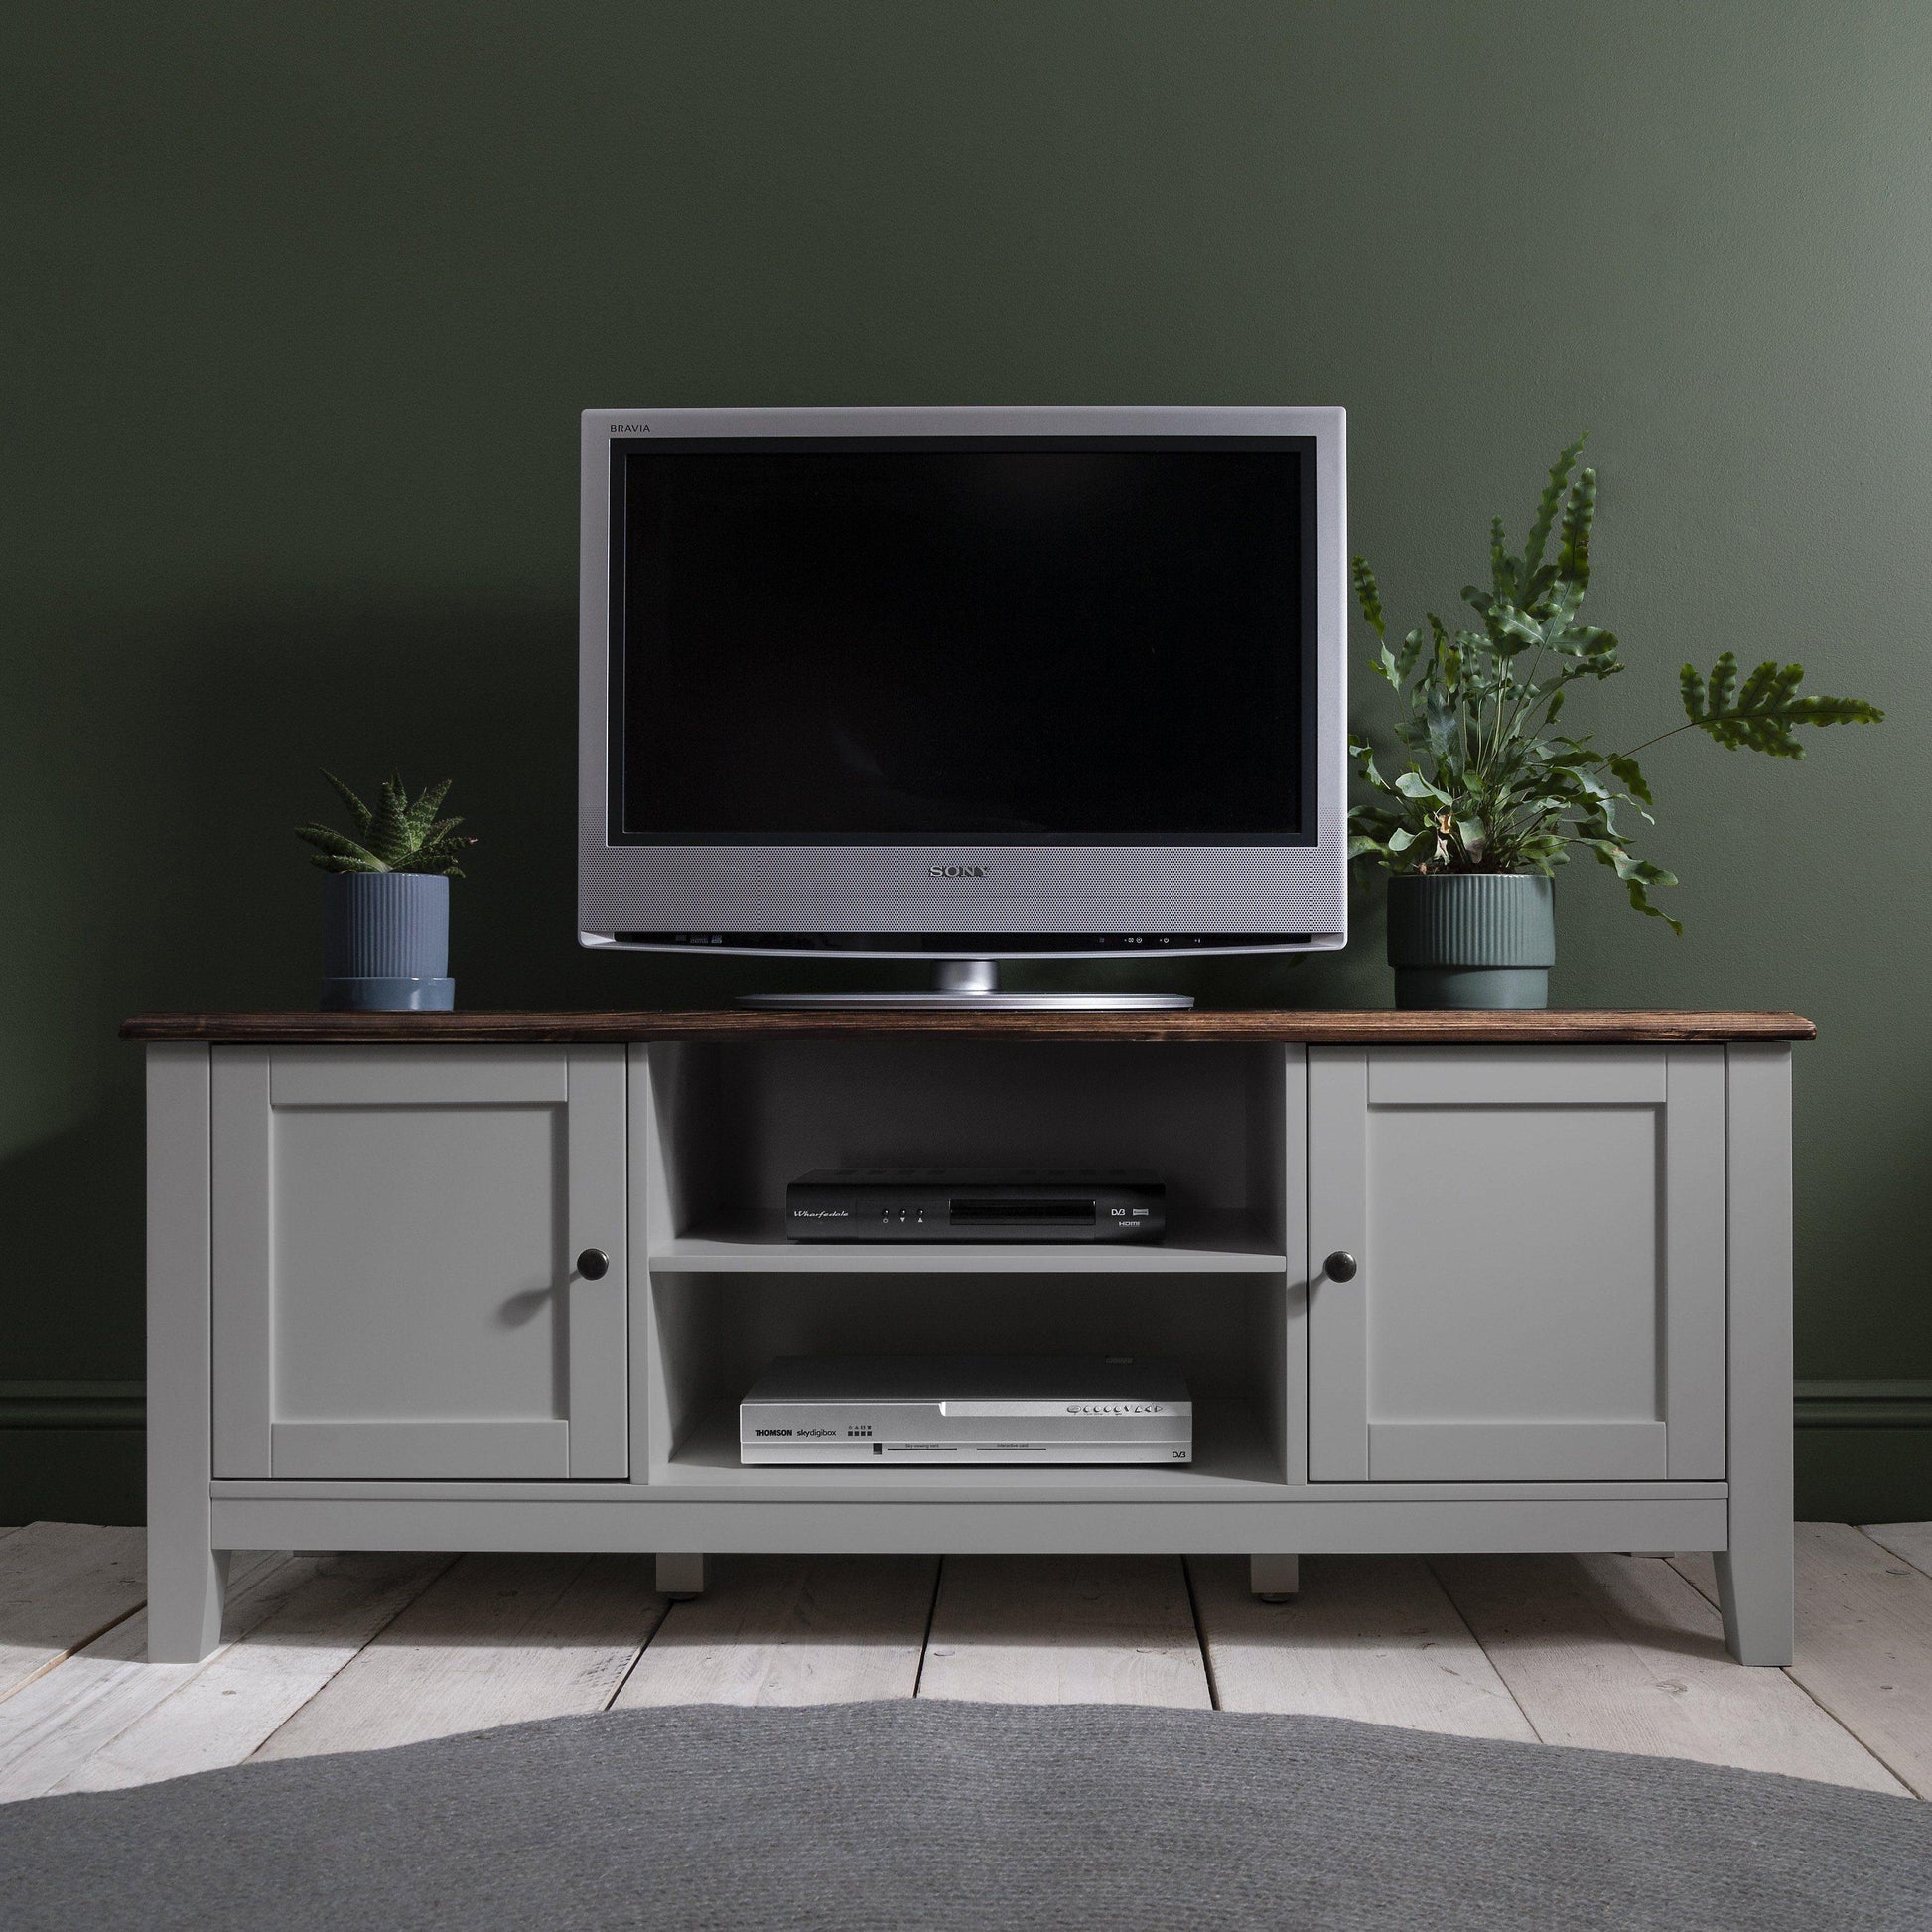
(1471, 939)
(385, 942)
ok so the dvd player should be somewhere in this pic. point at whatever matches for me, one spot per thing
(961, 1410)
(1038, 1204)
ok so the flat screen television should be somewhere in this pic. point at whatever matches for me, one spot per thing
(963, 685)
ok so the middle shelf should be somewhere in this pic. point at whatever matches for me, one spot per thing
(1235, 1459)
(1205, 1243)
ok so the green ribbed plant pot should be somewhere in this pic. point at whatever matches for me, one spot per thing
(1471, 939)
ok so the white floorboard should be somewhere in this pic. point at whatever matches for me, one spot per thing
(496, 1640)
(791, 1630)
(1912, 1541)
(239, 1696)
(1373, 1638)
(1622, 1654)
(60, 1586)
(1865, 1642)
(340, 1653)
(1064, 1630)
(53, 1726)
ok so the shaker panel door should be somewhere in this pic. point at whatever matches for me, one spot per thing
(394, 1269)
(1540, 1284)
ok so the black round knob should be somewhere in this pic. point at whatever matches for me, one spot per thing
(594, 1263)
(1341, 1266)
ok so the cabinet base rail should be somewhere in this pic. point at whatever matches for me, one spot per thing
(1754, 1582)
(975, 1528)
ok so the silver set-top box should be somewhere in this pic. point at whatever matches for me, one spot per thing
(976, 1205)
(956, 1410)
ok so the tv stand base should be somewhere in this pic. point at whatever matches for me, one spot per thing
(972, 984)
(1383, 1362)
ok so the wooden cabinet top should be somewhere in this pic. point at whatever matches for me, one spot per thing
(1553, 1026)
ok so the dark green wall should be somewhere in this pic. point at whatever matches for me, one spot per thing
(301, 301)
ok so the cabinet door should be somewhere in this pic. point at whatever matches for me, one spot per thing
(395, 1283)
(1539, 1290)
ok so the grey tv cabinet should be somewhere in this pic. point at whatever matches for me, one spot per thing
(1570, 1327)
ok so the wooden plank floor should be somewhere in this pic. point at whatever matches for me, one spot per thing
(349, 1652)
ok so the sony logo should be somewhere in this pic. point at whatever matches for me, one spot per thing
(958, 871)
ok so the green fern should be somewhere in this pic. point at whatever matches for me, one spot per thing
(398, 835)
(1761, 716)
(1489, 783)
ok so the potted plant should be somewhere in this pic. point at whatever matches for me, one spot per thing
(1491, 795)
(385, 908)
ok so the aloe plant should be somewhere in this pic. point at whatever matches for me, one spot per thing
(400, 834)
(1488, 782)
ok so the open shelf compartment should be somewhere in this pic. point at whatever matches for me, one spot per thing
(728, 1127)
(713, 1334)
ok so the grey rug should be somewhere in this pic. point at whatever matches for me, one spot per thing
(896, 1816)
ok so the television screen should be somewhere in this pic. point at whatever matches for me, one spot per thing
(1035, 641)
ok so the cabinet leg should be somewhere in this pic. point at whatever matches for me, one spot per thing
(680, 1576)
(1274, 1578)
(1754, 1592)
(1754, 1582)
(185, 1594)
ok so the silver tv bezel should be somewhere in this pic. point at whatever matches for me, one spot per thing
(1295, 897)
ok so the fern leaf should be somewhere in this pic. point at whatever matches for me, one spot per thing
(1438, 722)
(1546, 509)
(1579, 516)
(1724, 683)
(1760, 715)
(1757, 687)
(1638, 875)
(1692, 686)
(1535, 588)
(1823, 710)
(1629, 774)
(1368, 595)
(1371, 774)
(1587, 641)
(1512, 631)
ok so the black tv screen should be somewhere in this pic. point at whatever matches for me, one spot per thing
(1048, 641)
